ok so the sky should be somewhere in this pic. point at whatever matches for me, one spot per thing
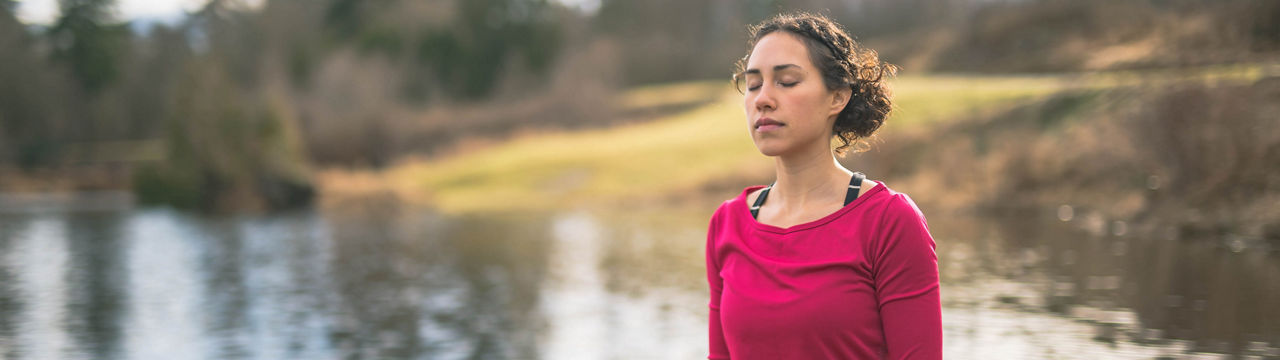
(46, 11)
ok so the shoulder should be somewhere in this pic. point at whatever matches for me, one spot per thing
(721, 211)
(901, 204)
(727, 208)
(901, 223)
(898, 206)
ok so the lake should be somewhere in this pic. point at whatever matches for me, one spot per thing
(378, 281)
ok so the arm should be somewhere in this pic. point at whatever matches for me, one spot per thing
(906, 277)
(718, 348)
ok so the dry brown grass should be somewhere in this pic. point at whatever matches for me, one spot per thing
(1191, 155)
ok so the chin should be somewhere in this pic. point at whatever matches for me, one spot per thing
(771, 148)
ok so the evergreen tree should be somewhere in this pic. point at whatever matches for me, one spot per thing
(30, 112)
(86, 38)
(468, 57)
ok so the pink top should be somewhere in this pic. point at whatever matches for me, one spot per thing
(860, 283)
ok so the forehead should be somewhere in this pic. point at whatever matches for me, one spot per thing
(778, 48)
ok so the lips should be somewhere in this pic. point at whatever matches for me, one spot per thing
(767, 124)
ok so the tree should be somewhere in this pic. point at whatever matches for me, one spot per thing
(85, 38)
(468, 57)
(30, 112)
(6, 8)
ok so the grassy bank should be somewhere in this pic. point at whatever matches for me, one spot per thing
(701, 151)
(1182, 158)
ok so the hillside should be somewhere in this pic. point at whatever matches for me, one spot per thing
(703, 153)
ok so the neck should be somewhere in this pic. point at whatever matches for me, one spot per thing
(811, 177)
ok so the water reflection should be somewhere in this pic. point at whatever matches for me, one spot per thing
(387, 282)
(10, 307)
(98, 293)
(1114, 293)
(164, 310)
(39, 259)
(593, 317)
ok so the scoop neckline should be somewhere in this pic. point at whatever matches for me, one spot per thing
(743, 209)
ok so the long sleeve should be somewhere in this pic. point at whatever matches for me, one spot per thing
(906, 278)
(717, 347)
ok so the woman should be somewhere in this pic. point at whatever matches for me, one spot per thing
(823, 264)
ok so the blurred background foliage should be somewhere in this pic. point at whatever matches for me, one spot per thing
(239, 104)
(399, 178)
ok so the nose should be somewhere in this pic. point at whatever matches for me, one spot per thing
(763, 99)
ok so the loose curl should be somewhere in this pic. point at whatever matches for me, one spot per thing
(843, 63)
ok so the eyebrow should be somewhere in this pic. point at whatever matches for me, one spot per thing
(775, 68)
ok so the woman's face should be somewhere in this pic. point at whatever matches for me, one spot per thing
(787, 105)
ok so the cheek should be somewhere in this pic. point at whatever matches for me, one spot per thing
(808, 108)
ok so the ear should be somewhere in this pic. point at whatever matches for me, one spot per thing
(839, 98)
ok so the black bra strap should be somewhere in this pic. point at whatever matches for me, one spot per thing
(855, 187)
(755, 209)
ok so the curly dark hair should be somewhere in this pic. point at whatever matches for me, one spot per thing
(843, 63)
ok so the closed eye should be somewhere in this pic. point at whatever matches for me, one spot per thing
(780, 83)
